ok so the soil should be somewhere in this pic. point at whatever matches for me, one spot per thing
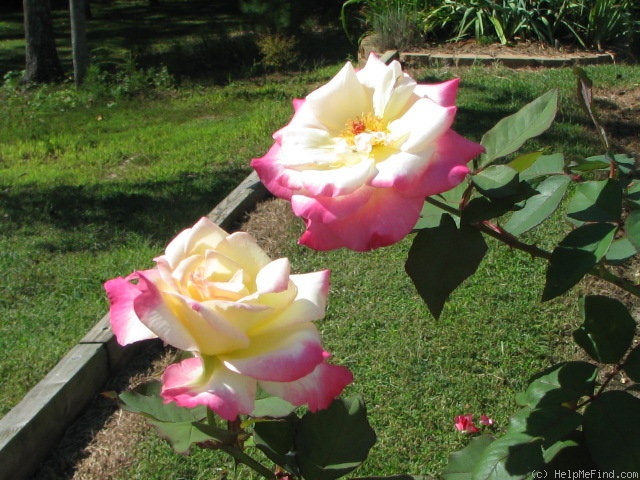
(100, 443)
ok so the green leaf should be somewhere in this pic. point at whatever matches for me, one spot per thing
(497, 181)
(596, 201)
(441, 258)
(569, 455)
(620, 251)
(633, 194)
(611, 426)
(548, 454)
(483, 208)
(563, 383)
(550, 423)
(511, 132)
(540, 206)
(575, 256)
(145, 399)
(276, 440)
(273, 407)
(181, 435)
(462, 463)
(608, 329)
(178, 425)
(543, 166)
(524, 161)
(632, 364)
(625, 163)
(632, 228)
(513, 456)
(431, 214)
(598, 162)
(331, 443)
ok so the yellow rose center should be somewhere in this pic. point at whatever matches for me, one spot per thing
(367, 123)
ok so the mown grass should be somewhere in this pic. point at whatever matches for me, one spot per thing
(416, 373)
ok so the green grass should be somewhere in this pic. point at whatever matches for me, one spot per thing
(92, 188)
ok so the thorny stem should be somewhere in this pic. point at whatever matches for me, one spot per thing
(505, 237)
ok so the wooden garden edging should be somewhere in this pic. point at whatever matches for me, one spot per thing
(35, 425)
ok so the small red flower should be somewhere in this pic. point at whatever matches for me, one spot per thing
(464, 424)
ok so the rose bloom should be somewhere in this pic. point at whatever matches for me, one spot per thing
(246, 319)
(362, 152)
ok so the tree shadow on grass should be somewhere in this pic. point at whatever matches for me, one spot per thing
(99, 216)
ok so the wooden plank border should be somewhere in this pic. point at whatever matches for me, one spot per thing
(34, 426)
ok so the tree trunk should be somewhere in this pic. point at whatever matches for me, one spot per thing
(41, 57)
(79, 46)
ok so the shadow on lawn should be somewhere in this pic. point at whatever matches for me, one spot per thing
(97, 217)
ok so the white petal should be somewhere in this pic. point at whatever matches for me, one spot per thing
(306, 146)
(401, 168)
(274, 277)
(203, 235)
(340, 100)
(243, 249)
(339, 181)
(422, 124)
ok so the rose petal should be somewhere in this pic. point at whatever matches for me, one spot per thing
(401, 169)
(393, 89)
(329, 209)
(125, 324)
(340, 100)
(274, 277)
(448, 165)
(384, 219)
(214, 334)
(195, 240)
(280, 356)
(339, 181)
(306, 147)
(317, 390)
(226, 393)
(270, 171)
(152, 310)
(309, 304)
(243, 249)
(435, 121)
(443, 93)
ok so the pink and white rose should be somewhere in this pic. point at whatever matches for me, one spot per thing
(362, 152)
(247, 320)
